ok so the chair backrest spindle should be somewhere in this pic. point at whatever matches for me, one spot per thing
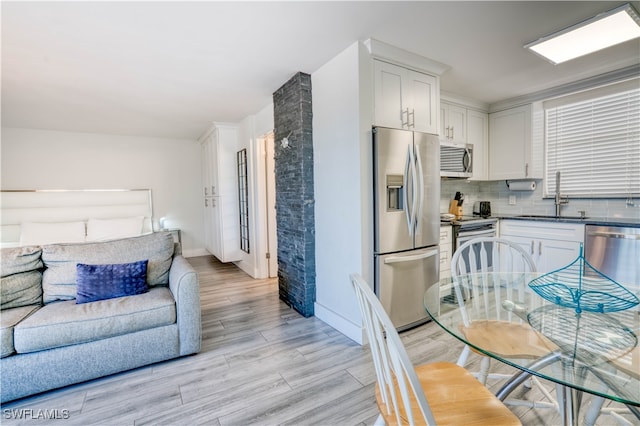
(393, 367)
(480, 257)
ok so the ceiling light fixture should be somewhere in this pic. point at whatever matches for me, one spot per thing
(604, 30)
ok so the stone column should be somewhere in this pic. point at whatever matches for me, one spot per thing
(294, 194)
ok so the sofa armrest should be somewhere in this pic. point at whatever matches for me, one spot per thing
(183, 282)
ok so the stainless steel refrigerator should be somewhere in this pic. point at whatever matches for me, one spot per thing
(407, 223)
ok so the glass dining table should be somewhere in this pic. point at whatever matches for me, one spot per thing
(586, 352)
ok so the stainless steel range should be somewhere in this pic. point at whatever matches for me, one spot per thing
(470, 227)
(465, 229)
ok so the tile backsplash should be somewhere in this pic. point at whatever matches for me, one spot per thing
(531, 202)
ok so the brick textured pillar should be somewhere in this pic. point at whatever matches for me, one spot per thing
(294, 194)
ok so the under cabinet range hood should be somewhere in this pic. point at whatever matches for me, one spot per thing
(456, 160)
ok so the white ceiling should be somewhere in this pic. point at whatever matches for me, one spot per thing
(169, 69)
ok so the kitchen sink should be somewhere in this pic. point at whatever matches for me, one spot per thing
(542, 216)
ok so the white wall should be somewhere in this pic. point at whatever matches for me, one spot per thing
(43, 159)
(343, 186)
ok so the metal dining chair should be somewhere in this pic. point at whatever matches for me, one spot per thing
(436, 393)
(511, 336)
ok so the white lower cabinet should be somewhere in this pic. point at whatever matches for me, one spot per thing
(552, 245)
(445, 251)
(446, 234)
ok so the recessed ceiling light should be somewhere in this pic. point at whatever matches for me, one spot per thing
(602, 31)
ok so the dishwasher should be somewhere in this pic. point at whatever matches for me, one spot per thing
(615, 251)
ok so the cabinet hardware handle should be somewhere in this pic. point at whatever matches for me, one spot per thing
(531, 247)
(205, 191)
(206, 204)
(404, 123)
(539, 248)
(213, 190)
(526, 169)
(413, 115)
(452, 133)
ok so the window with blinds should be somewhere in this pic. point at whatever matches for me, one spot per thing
(593, 139)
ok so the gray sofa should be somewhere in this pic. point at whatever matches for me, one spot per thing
(49, 341)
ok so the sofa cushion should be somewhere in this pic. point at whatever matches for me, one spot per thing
(20, 259)
(99, 282)
(8, 320)
(59, 279)
(21, 290)
(67, 323)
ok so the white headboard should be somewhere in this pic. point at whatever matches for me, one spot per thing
(18, 206)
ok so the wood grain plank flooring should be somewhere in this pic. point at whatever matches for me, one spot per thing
(261, 363)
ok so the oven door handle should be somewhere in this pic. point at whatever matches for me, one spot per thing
(465, 234)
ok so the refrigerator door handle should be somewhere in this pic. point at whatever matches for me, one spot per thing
(414, 191)
(411, 258)
(420, 181)
(407, 171)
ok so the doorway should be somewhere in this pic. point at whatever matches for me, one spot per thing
(270, 212)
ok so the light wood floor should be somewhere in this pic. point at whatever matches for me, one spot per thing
(261, 363)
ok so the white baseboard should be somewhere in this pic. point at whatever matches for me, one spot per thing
(340, 323)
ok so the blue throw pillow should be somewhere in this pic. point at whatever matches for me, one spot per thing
(99, 282)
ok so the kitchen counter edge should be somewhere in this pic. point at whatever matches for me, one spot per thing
(599, 221)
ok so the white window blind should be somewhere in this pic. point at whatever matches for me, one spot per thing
(593, 139)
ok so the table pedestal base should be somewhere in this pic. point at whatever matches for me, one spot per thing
(570, 399)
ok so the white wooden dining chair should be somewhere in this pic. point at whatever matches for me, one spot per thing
(509, 335)
(436, 393)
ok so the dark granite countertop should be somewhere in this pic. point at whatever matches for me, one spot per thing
(601, 221)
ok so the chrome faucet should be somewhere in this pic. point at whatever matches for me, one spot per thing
(559, 199)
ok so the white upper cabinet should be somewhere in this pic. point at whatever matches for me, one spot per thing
(453, 121)
(478, 136)
(510, 145)
(220, 192)
(405, 99)
(465, 121)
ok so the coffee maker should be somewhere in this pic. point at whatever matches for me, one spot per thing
(482, 208)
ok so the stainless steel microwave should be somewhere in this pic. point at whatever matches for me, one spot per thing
(456, 160)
